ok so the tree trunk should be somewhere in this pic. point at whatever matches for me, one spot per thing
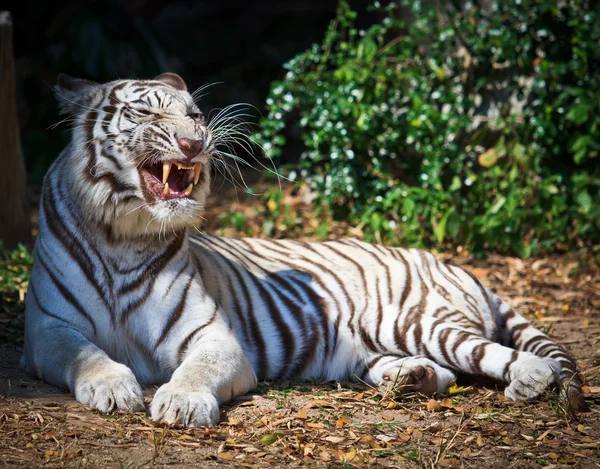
(15, 223)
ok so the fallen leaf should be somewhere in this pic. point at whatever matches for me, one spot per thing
(433, 406)
(320, 403)
(341, 422)
(271, 204)
(582, 429)
(480, 273)
(447, 403)
(347, 456)
(387, 416)
(302, 415)
(270, 439)
(315, 425)
(335, 439)
(226, 456)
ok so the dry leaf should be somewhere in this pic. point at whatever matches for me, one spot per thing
(447, 403)
(302, 415)
(347, 456)
(433, 406)
(315, 425)
(320, 403)
(225, 455)
(341, 422)
(480, 273)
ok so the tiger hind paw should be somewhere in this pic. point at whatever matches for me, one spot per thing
(417, 374)
(531, 377)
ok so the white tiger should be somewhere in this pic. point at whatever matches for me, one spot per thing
(121, 295)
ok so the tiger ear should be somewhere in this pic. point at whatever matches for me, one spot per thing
(75, 94)
(172, 79)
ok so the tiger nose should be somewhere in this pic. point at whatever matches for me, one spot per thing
(189, 147)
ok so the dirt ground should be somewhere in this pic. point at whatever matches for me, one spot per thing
(334, 424)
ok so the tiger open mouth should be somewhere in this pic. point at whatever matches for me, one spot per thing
(171, 179)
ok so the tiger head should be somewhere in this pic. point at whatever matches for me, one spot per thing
(140, 153)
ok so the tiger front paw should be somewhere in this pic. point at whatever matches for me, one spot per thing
(110, 389)
(191, 409)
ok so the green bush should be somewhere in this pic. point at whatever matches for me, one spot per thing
(469, 125)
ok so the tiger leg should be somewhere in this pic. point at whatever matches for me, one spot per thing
(212, 371)
(525, 337)
(65, 358)
(415, 373)
(57, 350)
(527, 374)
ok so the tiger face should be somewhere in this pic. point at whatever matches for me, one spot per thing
(142, 153)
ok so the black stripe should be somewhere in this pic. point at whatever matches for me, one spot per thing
(154, 266)
(364, 282)
(262, 366)
(175, 314)
(288, 340)
(185, 343)
(44, 310)
(66, 294)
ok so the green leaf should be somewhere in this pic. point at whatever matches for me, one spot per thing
(439, 229)
(453, 223)
(498, 205)
(268, 440)
(367, 50)
(408, 206)
(584, 200)
(455, 185)
(322, 230)
(579, 113)
(520, 154)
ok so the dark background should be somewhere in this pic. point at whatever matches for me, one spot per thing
(243, 45)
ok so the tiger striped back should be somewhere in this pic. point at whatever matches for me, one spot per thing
(121, 295)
